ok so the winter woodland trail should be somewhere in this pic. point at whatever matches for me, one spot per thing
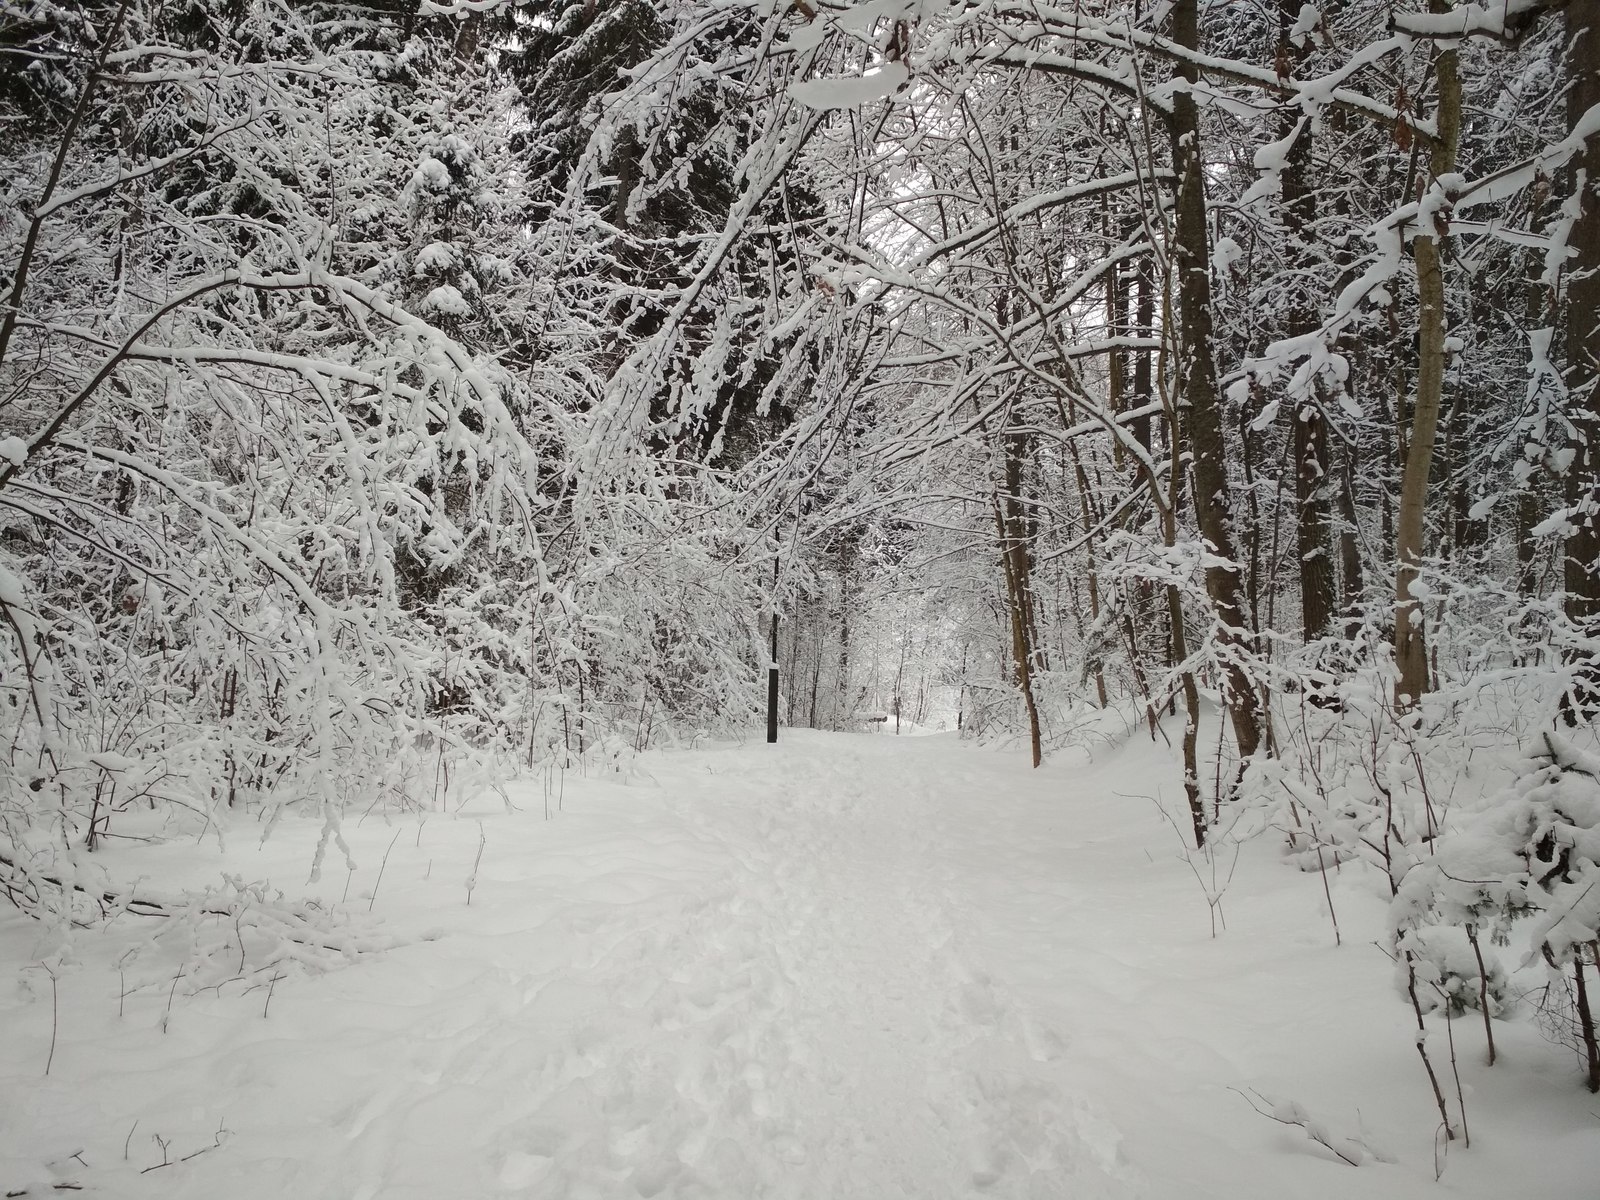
(848, 967)
(815, 1024)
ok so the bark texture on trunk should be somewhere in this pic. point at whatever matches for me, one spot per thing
(1178, 648)
(1144, 319)
(1199, 391)
(1016, 566)
(1351, 584)
(844, 703)
(1090, 519)
(1313, 527)
(1410, 641)
(1582, 557)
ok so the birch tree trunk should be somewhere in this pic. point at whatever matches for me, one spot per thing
(1410, 641)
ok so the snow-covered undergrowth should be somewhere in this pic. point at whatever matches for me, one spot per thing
(1476, 811)
(849, 966)
(285, 528)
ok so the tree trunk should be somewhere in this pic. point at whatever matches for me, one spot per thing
(1351, 583)
(1312, 521)
(1178, 647)
(1014, 566)
(469, 32)
(1089, 522)
(1410, 643)
(1142, 596)
(1529, 514)
(1191, 721)
(1531, 505)
(843, 703)
(1197, 384)
(1144, 318)
(1311, 476)
(1582, 559)
(816, 677)
(1117, 361)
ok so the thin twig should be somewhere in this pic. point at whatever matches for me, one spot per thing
(373, 899)
(472, 880)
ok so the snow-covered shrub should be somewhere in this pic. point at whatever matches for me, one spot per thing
(1468, 838)
(1484, 823)
(1534, 856)
(1445, 960)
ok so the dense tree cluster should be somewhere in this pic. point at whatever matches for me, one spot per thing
(391, 394)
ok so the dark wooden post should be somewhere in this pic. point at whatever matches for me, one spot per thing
(772, 664)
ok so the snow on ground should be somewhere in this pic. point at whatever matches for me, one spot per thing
(848, 967)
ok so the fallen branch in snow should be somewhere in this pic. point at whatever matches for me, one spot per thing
(23, 888)
(304, 932)
(172, 1162)
(1352, 1150)
(58, 1167)
(54, 1187)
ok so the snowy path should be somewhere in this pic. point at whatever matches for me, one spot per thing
(843, 968)
(808, 1026)
(883, 1060)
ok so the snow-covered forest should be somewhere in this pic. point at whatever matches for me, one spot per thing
(426, 426)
